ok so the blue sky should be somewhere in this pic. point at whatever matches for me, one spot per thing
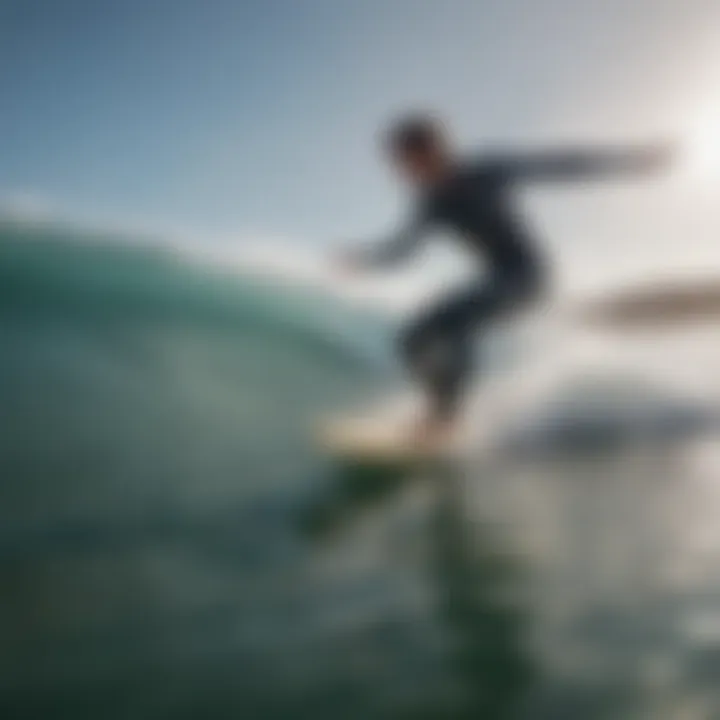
(258, 116)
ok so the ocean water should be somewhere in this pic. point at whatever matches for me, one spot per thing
(172, 545)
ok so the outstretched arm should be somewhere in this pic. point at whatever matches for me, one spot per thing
(394, 249)
(584, 164)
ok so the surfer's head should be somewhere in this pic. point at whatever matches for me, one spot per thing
(419, 148)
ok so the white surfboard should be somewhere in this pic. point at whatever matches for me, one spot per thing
(384, 438)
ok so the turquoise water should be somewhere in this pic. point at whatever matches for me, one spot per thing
(172, 546)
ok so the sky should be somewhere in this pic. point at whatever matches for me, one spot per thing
(259, 117)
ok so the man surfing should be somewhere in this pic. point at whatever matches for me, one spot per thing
(474, 198)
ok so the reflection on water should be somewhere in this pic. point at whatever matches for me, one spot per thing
(623, 551)
(472, 583)
(478, 608)
(573, 587)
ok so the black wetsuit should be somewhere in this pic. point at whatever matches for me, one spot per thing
(477, 201)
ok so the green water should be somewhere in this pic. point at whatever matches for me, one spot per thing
(172, 546)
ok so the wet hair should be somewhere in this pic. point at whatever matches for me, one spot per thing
(417, 134)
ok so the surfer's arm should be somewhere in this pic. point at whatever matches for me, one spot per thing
(393, 250)
(578, 165)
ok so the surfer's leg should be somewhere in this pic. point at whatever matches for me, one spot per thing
(438, 354)
(438, 347)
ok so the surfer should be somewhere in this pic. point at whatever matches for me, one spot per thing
(474, 197)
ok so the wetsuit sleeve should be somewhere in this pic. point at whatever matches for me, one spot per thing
(569, 165)
(398, 246)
